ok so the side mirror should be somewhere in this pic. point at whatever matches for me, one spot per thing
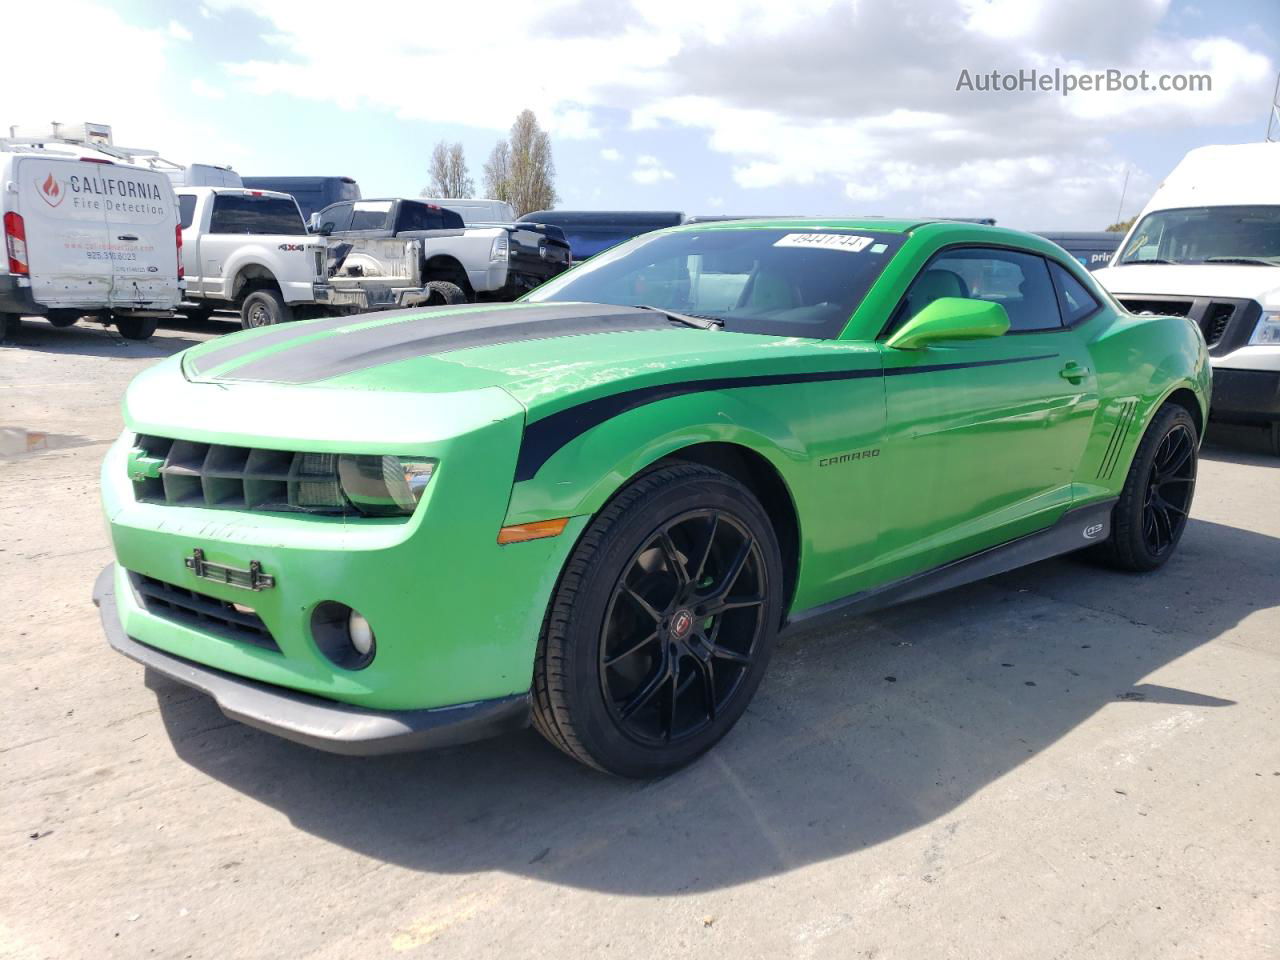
(325, 228)
(951, 318)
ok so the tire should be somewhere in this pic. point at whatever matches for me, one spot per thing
(262, 308)
(1275, 438)
(449, 293)
(9, 325)
(1148, 521)
(606, 699)
(136, 328)
(200, 314)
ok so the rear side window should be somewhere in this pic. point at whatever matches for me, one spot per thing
(246, 214)
(371, 215)
(186, 210)
(422, 216)
(1074, 300)
(1019, 282)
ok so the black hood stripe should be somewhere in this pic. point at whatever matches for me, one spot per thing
(546, 437)
(425, 332)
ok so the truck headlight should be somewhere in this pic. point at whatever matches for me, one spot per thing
(384, 486)
(1267, 331)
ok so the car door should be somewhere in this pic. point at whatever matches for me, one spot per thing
(141, 228)
(983, 436)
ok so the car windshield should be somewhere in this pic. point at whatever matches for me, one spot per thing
(803, 282)
(1207, 235)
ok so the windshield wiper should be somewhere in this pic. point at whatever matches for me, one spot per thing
(1248, 261)
(1134, 263)
(689, 320)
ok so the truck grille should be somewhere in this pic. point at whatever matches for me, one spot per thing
(184, 473)
(202, 612)
(1224, 323)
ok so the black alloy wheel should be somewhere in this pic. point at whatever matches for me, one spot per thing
(1170, 486)
(682, 627)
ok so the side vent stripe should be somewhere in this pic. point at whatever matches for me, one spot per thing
(1118, 436)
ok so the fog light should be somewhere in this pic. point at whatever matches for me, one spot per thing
(361, 634)
(343, 635)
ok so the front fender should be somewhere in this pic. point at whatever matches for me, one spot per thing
(584, 474)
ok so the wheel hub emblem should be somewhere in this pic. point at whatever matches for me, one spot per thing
(681, 624)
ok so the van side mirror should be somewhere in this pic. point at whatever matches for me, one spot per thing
(951, 318)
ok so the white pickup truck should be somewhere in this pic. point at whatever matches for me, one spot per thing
(85, 236)
(250, 250)
(400, 252)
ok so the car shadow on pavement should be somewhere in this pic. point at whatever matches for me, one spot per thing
(860, 733)
(94, 340)
(1245, 445)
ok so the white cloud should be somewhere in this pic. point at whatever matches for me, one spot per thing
(207, 90)
(716, 203)
(610, 154)
(178, 31)
(649, 170)
(154, 115)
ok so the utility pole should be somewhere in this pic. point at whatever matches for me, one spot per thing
(1123, 190)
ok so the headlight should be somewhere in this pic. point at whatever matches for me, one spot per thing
(498, 252)
(1267, 331)
(384, 486)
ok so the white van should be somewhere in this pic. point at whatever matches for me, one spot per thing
(86, 236)
(475, 210)
(1207, 247)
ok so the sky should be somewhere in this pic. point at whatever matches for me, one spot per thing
(812, 107)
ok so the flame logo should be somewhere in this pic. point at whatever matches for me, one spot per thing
(51, 191)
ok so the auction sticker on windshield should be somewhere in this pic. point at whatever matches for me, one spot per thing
(826, 241)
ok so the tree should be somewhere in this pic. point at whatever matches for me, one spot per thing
(449, 174)
(520, 170)
(1123, 226)
(497, 172)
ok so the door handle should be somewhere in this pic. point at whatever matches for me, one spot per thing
(126, 236)
(1073, 372)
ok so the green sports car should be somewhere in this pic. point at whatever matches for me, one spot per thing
(595, 509)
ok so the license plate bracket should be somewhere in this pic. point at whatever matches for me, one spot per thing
(251, 579)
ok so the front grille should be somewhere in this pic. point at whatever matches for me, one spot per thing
(202, 612)
(1225, 323)
(184, 473)
(1214, 322)
(1161, 308)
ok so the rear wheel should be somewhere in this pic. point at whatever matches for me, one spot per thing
(262, 308)
(1275, 438)
(661, 627)
(9, 324)
(136, 328)
(444, 292)
(1151, 515)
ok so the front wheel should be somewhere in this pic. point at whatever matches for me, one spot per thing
(1151, 515)
(262, 308)
(662, 624)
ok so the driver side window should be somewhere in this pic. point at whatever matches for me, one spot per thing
(1019, 282)
(337, 217)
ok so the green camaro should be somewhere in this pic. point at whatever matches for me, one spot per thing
(595, 509)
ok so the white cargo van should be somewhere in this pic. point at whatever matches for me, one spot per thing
(1207, 247)
(85, 236)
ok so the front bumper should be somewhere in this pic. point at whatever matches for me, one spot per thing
(1245, 396)
(313, 721)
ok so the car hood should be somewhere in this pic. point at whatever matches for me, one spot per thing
(1194, 280)
(538, 354)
